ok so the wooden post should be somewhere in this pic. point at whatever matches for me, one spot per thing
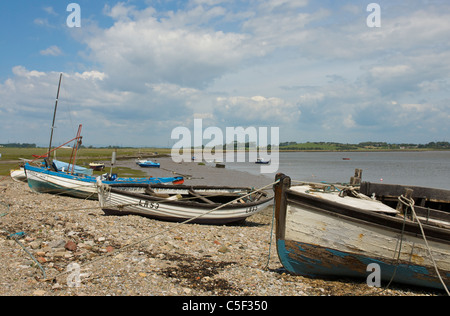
(356, 180)
(280, 189)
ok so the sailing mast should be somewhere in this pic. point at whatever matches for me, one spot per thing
(54, 116)
(75, 149)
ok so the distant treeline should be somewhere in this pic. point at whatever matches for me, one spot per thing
(361, 146)
(17, 145)
(330, 146)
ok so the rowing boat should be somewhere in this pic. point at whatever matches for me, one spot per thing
(197, 204)
(323, 232)
(46, 180)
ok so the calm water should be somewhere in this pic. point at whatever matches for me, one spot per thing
(431, 169)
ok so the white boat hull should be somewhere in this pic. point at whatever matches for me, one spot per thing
(18, 175)
(123, 203)
(56, 184)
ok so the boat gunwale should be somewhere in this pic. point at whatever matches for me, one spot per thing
(354, 214)
(375, 219)
(114, 189)
(93, 179)
(419, 192)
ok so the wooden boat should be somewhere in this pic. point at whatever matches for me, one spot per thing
(201, 204)
(328, 234)
(47, 180)
(18, 175)
(97, 166)
(147, 163)
(69, 179)
(262, 161)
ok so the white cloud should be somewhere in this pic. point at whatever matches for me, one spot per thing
(21, 71)
(150, 51)
(308, 68)
(50, 11)
(257, 109)
(51, 51)
(391, 71)
(96, 75)
(282, 5)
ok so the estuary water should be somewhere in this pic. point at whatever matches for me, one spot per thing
(428, 168)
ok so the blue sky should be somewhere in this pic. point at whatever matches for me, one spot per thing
(136, 70)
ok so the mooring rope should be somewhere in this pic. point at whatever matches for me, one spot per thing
(271, 234)
(410, 203)
(15, 236)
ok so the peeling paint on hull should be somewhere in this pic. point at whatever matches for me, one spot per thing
(315, 262)
(323, 236)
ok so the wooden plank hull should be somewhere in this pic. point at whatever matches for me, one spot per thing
(41, 180)
(318, 238)
(302, 259)
(125, 201)
(18, 175)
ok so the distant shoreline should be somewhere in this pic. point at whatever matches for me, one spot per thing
(363, 150)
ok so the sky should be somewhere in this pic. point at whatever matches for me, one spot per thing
(134, 71)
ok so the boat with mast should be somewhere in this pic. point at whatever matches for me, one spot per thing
(69, 180)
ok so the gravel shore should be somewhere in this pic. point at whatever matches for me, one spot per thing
(132, 255)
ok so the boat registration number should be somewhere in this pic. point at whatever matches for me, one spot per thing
(148, 204)
(251, 209)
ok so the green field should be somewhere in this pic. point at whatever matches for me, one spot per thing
(11, 157)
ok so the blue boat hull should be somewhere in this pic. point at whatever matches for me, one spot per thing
(149, 165)
(42, 180)
(47, 187)
(317, 262)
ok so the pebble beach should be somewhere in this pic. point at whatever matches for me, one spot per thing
(45, 238)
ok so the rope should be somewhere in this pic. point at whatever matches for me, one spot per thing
(4, 178)
(410, 202)
(163, 231)
(271, 235)
(7, 209)
(15, 236)
(398, 256)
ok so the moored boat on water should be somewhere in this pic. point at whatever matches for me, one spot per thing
(200, 204)
(147, 163)
(262, 161)
(327, 233)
